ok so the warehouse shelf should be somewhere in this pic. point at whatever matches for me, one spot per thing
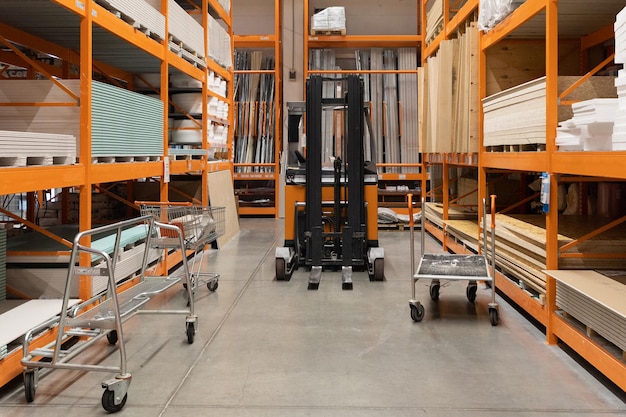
(392, 174)
(547, 26)
(85, 41)
(257, 182)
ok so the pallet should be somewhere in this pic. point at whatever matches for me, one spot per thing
(119, 159)
(319, 32)
(23, 161)
(187, 54)
(529, 147)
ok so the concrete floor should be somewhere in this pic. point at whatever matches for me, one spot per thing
(268, 348)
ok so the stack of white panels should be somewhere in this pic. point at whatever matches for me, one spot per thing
(619, 129)
(516, 116)
(61, 119)
(29, 148)
(591, 128)
(144, 14)
(218, 40)
(185, 29)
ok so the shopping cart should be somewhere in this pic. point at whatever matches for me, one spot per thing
(200, 226)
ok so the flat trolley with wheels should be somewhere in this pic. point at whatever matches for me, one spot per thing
(447, 266)
(200, 226)
(101, 316)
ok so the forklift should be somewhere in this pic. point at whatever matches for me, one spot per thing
(331, 195)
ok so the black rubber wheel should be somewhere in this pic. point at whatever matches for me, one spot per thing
(313, 286)
(417, 312)
(29, 386)
(212, 285)
(281, 274)
(493, 316)
(434, 292)
(112, 337)
(470, 291)
(191, 332)
(379, 270)
(108, 401)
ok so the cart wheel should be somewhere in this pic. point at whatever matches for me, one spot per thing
(434, 292)
(112, 337)
(470, 291)
(212, 285)
(493, 316)
(379, 270)
(29, 386)
(281, 270)
(191, 332)
(417, 312)
(108, 401)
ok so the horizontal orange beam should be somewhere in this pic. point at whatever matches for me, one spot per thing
(105, 172)
(24, 179)
(358, 41)
(254, 41)
(518, 161)
(595, 164)
(461, 16)
(509, 24)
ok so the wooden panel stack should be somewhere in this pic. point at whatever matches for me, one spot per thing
(450, 121)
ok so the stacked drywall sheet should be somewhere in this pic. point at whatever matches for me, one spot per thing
(37, 272)
(449, 83)
(56, 119)
(591, 128)
(219, 43)
(125, 123)
(619, 128)
(144, 15)
(27, 148)
(187, 35)
(595, 300)
(516, 116)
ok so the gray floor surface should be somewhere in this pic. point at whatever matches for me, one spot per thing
(270, 348)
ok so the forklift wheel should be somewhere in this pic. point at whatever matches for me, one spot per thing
(281, 270)
(379, 270)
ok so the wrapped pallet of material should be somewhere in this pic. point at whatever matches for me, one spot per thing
(330, 19)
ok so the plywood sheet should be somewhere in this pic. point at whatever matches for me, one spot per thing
(222, 194)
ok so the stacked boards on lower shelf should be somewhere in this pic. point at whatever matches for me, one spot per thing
(521, 243)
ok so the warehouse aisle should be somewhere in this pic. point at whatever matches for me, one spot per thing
(268, 348)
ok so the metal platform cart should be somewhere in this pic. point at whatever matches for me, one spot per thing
(200, 225)
(446, 266)
(78, 328)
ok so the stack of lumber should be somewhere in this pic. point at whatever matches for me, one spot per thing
(28, 148)
(591, 128)
(434, 213)
(521, 246)
(619, 128)
(450, 120)
(142, 14)
(434, 19)
(517, 115)
(595, 300)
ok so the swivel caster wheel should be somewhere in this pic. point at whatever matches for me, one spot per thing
(470, 291)
(108, 401)
(191, 332)
(212, 285)
(417, 312)
(30, 385)
(112, 337)
(493, 316)
(434, 292)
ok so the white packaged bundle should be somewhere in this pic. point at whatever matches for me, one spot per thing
(329, 19)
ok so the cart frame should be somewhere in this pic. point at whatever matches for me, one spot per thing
(446, 266)
(200, 225)
(103, 315)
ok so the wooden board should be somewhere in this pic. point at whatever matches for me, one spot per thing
(222, 194)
